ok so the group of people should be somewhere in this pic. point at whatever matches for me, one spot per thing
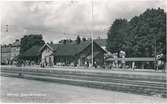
(44, 64)
(116, 64)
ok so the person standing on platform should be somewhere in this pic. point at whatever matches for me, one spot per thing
(116, 60)
(133, 65)
(122, 55)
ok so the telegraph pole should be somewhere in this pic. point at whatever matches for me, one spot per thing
(92, 30)
(156, 60)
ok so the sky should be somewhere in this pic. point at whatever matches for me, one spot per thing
(65, 19)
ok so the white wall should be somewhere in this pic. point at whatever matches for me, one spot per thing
(46, 53)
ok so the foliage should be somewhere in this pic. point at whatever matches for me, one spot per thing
(78, 40)
(142, 36)
(65, 41)
(116, 35)
(30, 40)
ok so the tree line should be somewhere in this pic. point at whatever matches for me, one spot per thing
(78, 40)
(141, 36)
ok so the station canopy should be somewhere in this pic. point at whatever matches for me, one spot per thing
(132, 59)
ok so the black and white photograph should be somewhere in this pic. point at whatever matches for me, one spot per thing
(83, 51)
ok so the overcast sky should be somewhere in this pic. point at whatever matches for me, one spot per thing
(65, 19)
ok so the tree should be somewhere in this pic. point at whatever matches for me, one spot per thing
(78, 40)
(116, 35)
(147, 33)
(65, 41)
(142, 36)
(30, 40)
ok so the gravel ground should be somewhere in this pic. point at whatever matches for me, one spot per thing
(21, 90)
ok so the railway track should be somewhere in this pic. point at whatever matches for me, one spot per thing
(135, 84)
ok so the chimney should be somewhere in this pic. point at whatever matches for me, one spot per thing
(51, 42)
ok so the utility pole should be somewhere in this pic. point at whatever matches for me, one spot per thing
(156, 61)
(92, 29)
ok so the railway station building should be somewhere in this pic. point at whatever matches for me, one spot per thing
(72, 54)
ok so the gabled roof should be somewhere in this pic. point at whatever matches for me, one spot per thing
(71, 49)
(33, 51)
(53, 47)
